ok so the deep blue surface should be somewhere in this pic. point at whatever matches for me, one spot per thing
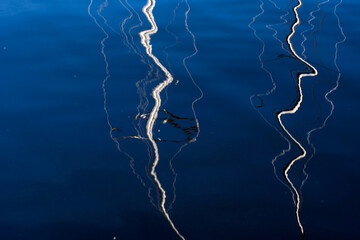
(76, 98)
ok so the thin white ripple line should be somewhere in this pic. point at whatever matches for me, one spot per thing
(193, 103)
(105, 59)
(262, 51)
(130, 42)
(331, 90)
(312, 27)
(145, 41)
(167, 60)
(268, 92)
(108, 75)
(126, 39)
(284, 21)
(312, 18)
(293, 111)
(187, 70)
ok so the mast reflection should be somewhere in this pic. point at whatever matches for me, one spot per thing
(145, 41)
(293, 110)
(188, 125)
(262, 101)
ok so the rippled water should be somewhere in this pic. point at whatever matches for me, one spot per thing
(179, 119)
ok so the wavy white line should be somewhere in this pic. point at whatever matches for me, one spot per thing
(293, 111)
(145, 41)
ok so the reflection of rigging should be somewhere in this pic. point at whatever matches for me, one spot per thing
(189, 126)
(298, 104)
(293, 110)
(312, 27)
(257, 100)
(112, 129)
(327, 93)
(145, 41)
(192, 132)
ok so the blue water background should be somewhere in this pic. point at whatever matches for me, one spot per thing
(62, 177)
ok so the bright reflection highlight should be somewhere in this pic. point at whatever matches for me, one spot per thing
(260, 96)
(155, 68)
(145, 41)
(293, 111)
(257, 100)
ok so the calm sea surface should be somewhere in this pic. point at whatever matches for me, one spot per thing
(179, 119)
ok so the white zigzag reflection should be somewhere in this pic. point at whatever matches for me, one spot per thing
(145, 41)
(298, 104)
(307, 152)
(155, 67)
(293, 111)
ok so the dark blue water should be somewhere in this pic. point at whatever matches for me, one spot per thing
(179, 119)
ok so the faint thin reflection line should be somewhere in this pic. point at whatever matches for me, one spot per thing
(170, 46)
(187, 70)
(126, 39)
(312, 27)
(167, 60)
(145, 41)
(108, 75)
(293, 111)
(140, 85)
(105, 60)
(267, 93)
(130, 42)
(172, 34)
(282, 17)
(131, 45)
(101, 8)
(329, 92)
(305, 57)
(262, 51)
(194, 139)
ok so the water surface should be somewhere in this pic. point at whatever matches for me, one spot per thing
(179, 119)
